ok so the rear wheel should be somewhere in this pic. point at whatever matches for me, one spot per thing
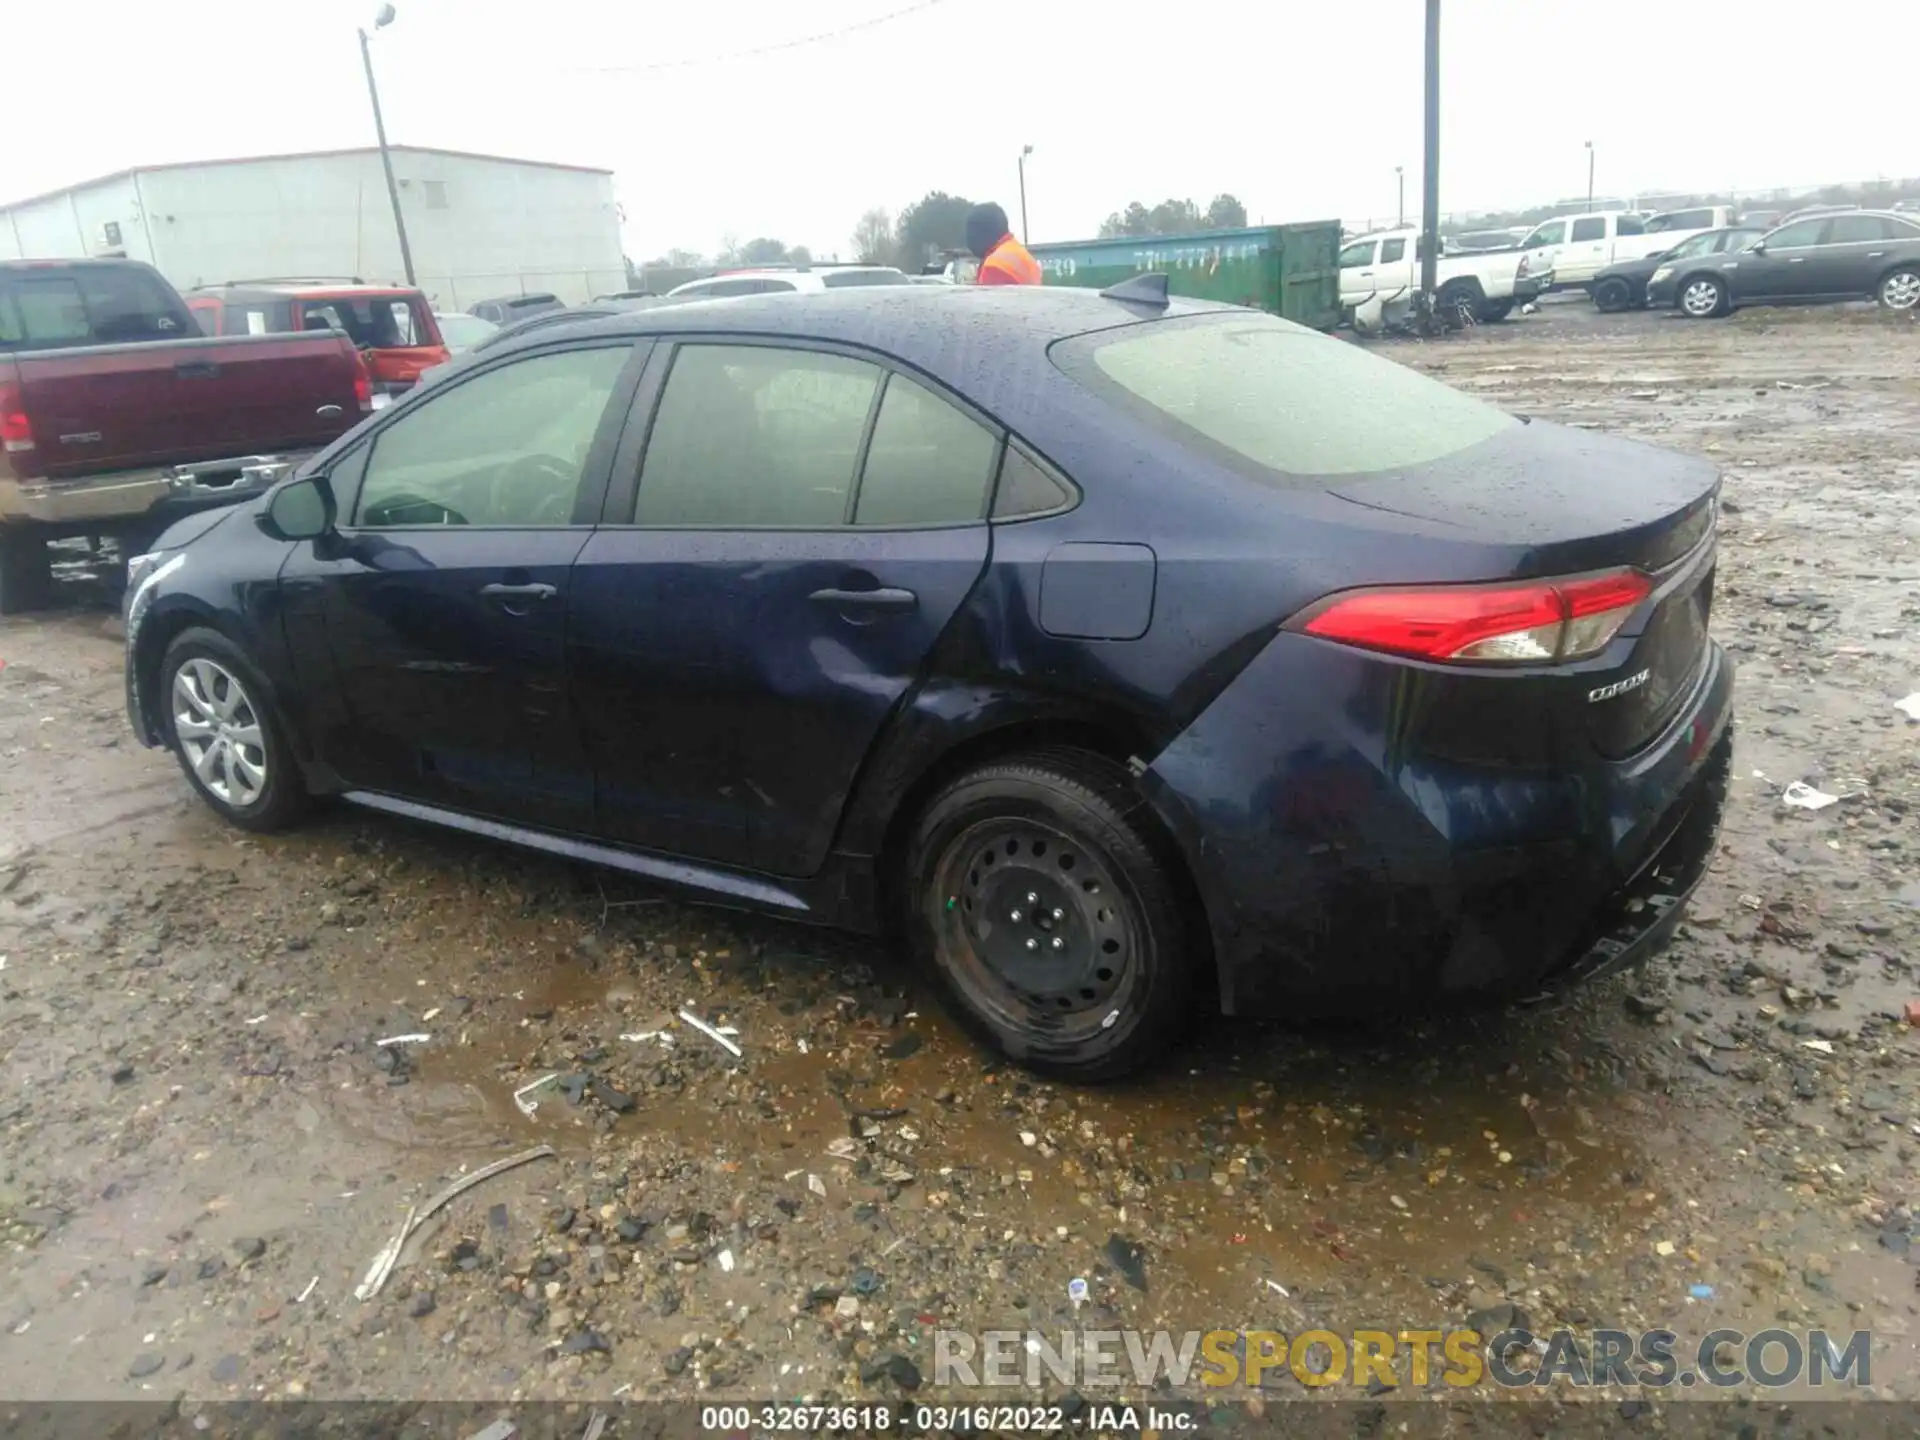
(1612, 295)
(1049, 914)
(1459, 304)
(26, 571)
(1702, 298)
(228, 739)
(1899, 290)
(1496, 311)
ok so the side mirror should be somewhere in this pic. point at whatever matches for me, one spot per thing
(1759, 247)
(300, 510)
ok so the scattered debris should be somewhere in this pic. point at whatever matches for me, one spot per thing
(498, 1430)
(301, 1298)
(383, 1262)
(417, 1038)
(712, 1034)
(525, 1106)
(1700, 1292)
(1802, 796)
(1129, 1259)
(1663, 1247)
(1909, 707)
(1825, 1047)
(1077, 1291)
(725, 1258)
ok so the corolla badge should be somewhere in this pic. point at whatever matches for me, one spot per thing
(1619, 687)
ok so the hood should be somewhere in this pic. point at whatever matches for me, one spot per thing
(201, 523)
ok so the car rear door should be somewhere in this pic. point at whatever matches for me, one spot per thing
(1851, 257)
(1586, 252)
(442, 598)
(767, 584)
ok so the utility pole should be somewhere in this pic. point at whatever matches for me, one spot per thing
(1400, 178)
(1589, 175)
(380, 21)
(1024, 152)
(1430, 216)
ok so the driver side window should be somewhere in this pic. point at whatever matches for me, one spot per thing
(506, 448)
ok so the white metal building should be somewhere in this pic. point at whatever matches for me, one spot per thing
(478, 225)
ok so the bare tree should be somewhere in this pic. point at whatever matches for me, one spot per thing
(873, 239)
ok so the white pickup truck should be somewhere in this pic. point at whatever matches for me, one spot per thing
(1578, 247)
(1386, 265)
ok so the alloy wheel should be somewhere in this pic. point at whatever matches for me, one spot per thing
(1037, 928)
(1901, 290)
(1700, 299)
(220, 732)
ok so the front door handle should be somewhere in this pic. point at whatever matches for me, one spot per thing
(881, 599)
(1796, 259)
(518, 592)
(196, 369)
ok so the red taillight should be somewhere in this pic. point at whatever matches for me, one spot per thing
(362, 384)
(16, 430)
(1540, 621)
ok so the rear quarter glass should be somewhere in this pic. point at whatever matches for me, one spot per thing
(1275, 401)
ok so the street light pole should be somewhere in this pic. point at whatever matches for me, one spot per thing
(1430, 168)
(1589, 175)
(1400, 177)
(1025, 151)
(381, 20)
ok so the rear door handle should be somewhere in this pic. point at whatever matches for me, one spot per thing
(881, 599)
(196, 369)
(518, 592)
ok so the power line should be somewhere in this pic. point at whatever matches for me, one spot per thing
(817, 38)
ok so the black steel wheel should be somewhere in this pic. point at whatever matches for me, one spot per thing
(1612, 295)
(1050, 916)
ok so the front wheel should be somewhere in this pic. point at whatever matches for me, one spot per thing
(1612, 296)
(1900, 290)
(1048, 912)
(1702, 298)
(228, 739)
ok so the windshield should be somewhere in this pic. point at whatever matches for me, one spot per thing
(1275, 400)
(373, 322)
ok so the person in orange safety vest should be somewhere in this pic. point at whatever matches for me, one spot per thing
(1003, 259)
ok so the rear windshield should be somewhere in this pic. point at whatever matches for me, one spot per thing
(1274, 400)
(373, 322)
(50, 308)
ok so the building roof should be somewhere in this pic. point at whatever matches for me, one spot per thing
(296, 155)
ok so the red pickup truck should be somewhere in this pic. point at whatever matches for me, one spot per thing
(117, 416)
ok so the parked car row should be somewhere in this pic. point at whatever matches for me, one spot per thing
(1832, 255)
(1483, 286)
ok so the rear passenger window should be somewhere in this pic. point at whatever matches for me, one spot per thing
(51, 311)
(755, 435)
(1026, 488)
(928, 463)
(1592, 228)
(1392, 250)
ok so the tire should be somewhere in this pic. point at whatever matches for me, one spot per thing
(1612, 296)
(1496, 311)
(1899, 290)
(1702, 297)
(1459, 304)
(26, 571)
(222, 727)
(1085, 970)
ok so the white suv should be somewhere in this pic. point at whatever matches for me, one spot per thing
(772, 281)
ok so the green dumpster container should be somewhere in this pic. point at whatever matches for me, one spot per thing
(1288, 270)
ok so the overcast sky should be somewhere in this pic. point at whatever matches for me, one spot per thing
(1301, 109)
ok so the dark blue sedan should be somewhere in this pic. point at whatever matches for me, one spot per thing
(1115, 652)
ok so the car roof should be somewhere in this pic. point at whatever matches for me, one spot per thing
(978, 339)
(303, 289)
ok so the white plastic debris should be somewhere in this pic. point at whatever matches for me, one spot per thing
(712, 1034)
(383, 1262)
(1825, 1047)
(1802, 796)
(1909, 707)
(1029, 1139)
(1077, 1291)
(419, 1037)
(726, 1261)
(844, 1148)
(1276, 1287)
(301, 1298)
(817, 1185)
(525, 1106)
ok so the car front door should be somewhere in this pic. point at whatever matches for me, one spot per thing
(1780, 270)
(766, 585)
(441, 599)
(1586, 252)
(1357, 281)
(1542, 248)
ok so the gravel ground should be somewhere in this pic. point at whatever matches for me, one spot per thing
(204, 1149)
